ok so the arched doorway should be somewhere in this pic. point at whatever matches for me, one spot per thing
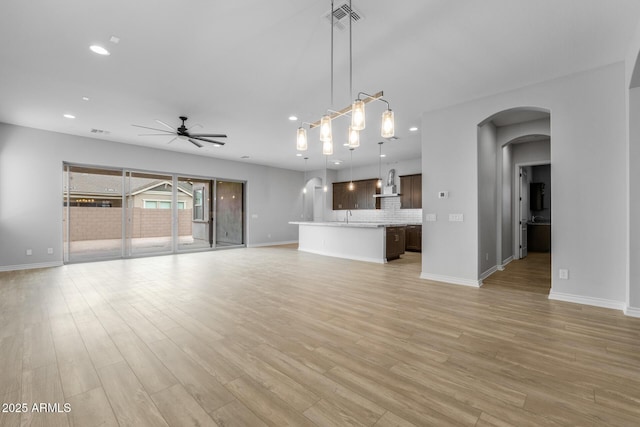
(509, 142)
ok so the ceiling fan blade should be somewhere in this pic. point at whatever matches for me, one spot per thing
(165, 125)
(158, 130)
(194, 142)
(207, 140)
(212, 135)
(174, 138)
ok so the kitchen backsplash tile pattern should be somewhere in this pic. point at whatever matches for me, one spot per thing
(389, 212)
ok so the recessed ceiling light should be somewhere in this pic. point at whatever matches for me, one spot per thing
(383, 155)
(85, 98)
(99, 50)
(413, 129)
(293, 118)
(69, 116)
(217, 145)
(298, 155)
(336, 162)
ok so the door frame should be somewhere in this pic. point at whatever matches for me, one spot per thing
(516, 203)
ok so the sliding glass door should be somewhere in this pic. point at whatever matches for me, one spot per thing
(194, 225)
(116, 213)
(229, 209)
(92, 214)
(149, 216)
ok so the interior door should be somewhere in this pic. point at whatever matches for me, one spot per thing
(524, 210)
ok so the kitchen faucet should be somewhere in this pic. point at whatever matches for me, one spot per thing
(347, 214)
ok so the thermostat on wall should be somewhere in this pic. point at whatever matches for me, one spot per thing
(443, 194)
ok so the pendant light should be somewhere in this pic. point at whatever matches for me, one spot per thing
(351, 186)
(387, 128)
(357, 115)
(325, 128)
(302, 139)
(354, 138)
(356, 110)
(379, 183)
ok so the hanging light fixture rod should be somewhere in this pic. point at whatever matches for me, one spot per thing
(347, 110)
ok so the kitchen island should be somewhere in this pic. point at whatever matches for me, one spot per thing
(361, 241)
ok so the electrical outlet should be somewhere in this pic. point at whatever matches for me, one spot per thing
(486, 256)
(563, 274)
(269, 235)
(50, 251)
(29, 252)
(456, 217)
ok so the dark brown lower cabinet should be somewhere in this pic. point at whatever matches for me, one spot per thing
(539, 238)
(395, 242)
(414, 238)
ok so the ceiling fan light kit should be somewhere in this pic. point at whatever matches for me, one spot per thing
(356, 110)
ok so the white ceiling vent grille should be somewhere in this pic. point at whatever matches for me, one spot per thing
(100, 131)
(341, 16)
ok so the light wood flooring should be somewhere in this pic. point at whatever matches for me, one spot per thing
(277, 337)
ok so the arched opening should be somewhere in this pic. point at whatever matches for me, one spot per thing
(313, 200)
(514, 157)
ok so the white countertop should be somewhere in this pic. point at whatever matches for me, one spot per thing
(354, 224)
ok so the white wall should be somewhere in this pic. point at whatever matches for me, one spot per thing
(632, 76)
(588, 155)
(506, 221)
(634, 200)
(31, 188)
(487, 203)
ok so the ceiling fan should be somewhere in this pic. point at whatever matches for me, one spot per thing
(183, 133)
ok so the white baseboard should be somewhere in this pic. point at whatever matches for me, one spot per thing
(261, 245)
(505, 263)
(30, 266)
(488, 273)
(353, 258)
(452, 280)
(632, 311)
(579, 299)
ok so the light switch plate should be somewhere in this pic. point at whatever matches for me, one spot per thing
(563, 274)
(456, 217)
(431, 217)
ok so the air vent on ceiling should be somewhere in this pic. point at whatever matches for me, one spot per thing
(341, 16)
(100, 132)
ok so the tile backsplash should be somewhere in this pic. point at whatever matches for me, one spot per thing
(389, 212)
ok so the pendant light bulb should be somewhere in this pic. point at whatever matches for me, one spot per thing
(354, 138)
(325, 128)
(325, 188)
(327, 147)
(351, 186)
(379, 183)
(387, 124)
(357, 115)
(301, 144)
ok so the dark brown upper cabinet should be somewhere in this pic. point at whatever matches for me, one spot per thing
(361, 197)
(411, 191)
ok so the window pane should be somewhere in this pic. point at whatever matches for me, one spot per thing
(164, 205)
(150, 204)
(180, 205)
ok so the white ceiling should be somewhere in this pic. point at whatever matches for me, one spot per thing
(244, 67)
